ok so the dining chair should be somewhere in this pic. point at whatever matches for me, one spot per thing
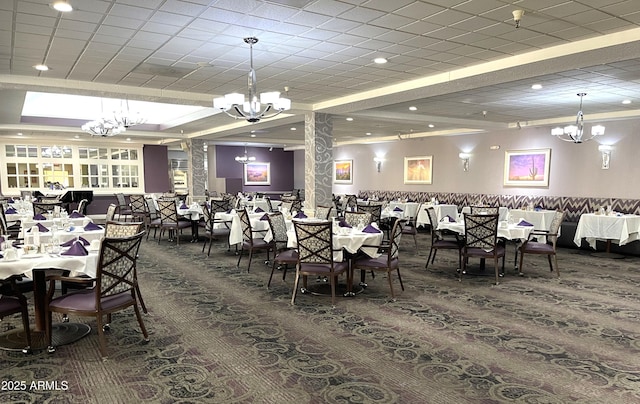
(315, 256)
(249, 241)
(212, 230)
(116, 284)
(357, 219)
(288, 205)
(485, 210)
(82, 206)
(220, 205)
(169, 221)
(547, 248)
(481, 241)
(12, 301)
(111, 212)
(283, 256)
(323, 212)
(154, 217)
(269, 204)
(440, 241)
(40, 208)
(139, 210)
(123, 208)
(388, 261)
(411, 229)
(374, 209)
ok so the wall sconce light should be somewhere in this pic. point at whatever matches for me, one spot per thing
(378, 161)
(465, 160)
(605, 151)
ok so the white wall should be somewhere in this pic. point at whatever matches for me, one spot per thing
(574, 170)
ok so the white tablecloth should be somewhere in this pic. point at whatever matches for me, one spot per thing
(540, 219)
(441, 211)
(509, 232)
(235, 234)
(76, 265)
(410, 209)
(503, 212)
(351, 242)
(620, 229)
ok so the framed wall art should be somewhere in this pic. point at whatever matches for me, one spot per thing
(257, 174)
(343, 171)
(418, 170)
(527, 168)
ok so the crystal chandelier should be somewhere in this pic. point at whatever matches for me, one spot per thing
(114, 124)
(125, 118)
(574, 133)
(244, 159)
(102, 127)
(235, 105)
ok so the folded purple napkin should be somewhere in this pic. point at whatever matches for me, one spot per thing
(300, 215)
(75, 215)
(365, 198)
(229, 211)
(250, 198)
(39, 216)
(73, 240)
(397, 209)
(41, 228)
(524, 223)
(264, 217)
(11, 211)
(258, 210)
(342, 223)
(92, 226)
(10, 200)
(448, 219)
(76, 249)
(370, 229)
(184, 206)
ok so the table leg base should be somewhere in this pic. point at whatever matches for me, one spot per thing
(610, 255)
(63, 334)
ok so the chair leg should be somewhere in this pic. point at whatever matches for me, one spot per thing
(240, 257)
(144, 306)
(295, 287)
(205, 244)
(250, 258)
(520, 264)
(495, 264)
(273, 268)
(400, 278)
(102, 340)
(555, 261)
(27, 330)
(210, 244)
(429, 258)
(550, 266)
(332, 279)
(140, 322)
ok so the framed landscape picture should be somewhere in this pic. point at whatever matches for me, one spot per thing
(257, 174)
(343, 171)
(527, 168)
(418, 170)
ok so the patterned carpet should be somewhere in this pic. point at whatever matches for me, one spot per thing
(218, 335)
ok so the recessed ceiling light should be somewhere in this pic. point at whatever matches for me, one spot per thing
(19, 133)
(380, 60)
(62, 6)
(432, 125)
(625, 102)
(77, 136)
(294, 128)
(536, 86)
(412, 108)
(349, 119)
(253, 135)
(42, 68)
(128, 139)
(368, 133)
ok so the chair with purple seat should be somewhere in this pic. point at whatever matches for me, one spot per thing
(169, 221)
(481, 241)
(213, 229)
(548, 248)
(440, 241)
(315, 256)
(388, 261)
(124, 209)
(12, 301)
(116, 284)
(283, 256)
(249, 240)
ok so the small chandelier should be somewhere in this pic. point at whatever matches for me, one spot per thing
(102, 127)
(125, 118)
(244, 159)
(574, 133)
(251, 110)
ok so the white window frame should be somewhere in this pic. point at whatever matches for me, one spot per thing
(76, 162)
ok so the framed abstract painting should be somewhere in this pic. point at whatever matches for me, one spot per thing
(418, 170)
(343, 171)
(257, 174)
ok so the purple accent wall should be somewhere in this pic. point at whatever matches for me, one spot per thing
(281, 166)
(156, 168)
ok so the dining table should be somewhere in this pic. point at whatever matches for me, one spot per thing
(193, 212)
(507, 231)
(260, 227)
(442, 210)
(409, 209)
(615, 228)
(37, 266)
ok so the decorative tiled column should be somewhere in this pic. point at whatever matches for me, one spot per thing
(197, 173)
(318, 159)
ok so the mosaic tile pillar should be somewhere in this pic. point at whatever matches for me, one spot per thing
(318, 159)
(197, 171)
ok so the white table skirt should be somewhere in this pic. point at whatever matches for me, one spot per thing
(511, 232)
(540, 219)
(441, 211)
(351, 242)
(76, 265)
(410, 209)
(619, 229)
